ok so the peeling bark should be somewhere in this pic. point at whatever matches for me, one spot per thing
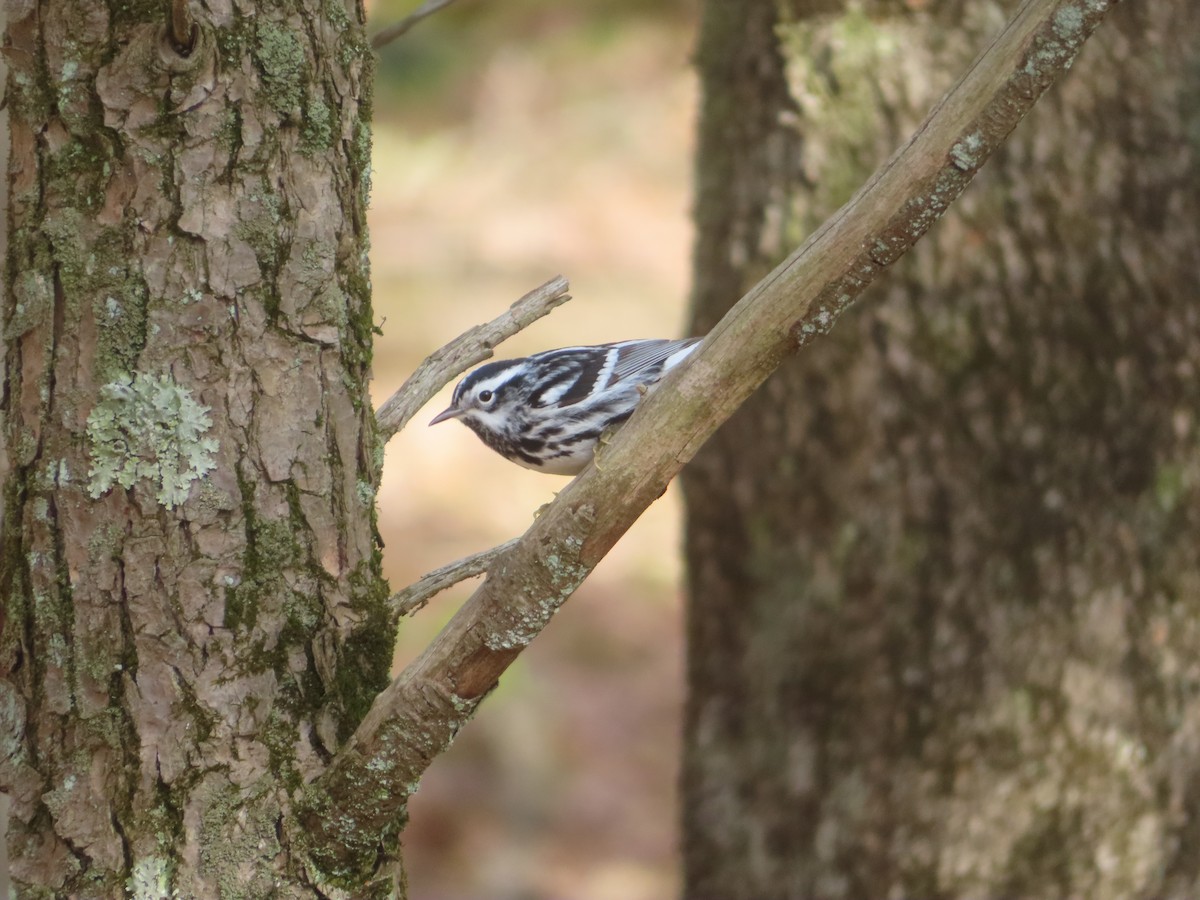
(195, 612)
(943, 565)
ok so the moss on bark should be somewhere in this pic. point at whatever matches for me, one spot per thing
(195, 607)
(941, 563)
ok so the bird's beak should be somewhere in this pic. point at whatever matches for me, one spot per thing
(452, 412)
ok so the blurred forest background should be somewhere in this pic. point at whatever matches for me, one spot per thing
(515, 141)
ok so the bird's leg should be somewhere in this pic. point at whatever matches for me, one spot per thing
(601, 443)
(607, 433)
(545, 506)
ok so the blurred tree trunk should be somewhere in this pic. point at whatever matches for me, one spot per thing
(194, 609)
(944, 567)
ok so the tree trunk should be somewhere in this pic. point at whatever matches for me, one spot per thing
(195, 611)
(943, 566)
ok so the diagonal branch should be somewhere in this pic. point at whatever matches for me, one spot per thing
(417, 716)
(464, 351)
(424, 11)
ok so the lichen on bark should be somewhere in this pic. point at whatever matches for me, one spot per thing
(942, 565)
(147, 428)
(195, 607)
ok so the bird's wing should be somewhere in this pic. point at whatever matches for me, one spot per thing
(586, 372)
(637, 357)
(575, 373)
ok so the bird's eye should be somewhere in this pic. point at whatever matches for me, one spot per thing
(485, 396)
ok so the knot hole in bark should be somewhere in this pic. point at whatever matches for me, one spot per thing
(182, 30)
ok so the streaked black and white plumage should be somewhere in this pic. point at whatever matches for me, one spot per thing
(547, 411)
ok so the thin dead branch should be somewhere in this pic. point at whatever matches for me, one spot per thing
(415, 718)
(424, 11)
(465, 351)
(417, 594)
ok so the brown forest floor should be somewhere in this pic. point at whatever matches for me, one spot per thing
(572, 157)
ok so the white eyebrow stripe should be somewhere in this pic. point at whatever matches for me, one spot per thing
(492, 383)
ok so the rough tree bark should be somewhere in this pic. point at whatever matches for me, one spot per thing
(195, 612)
(943, 567)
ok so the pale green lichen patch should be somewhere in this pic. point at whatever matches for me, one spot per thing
(1059, 48)
(966, 153)
(1068, 23)
(34, 303)
(151, 879)
(238, 839)
(283, 62)
(565, 573)
(316, 132)
(12, 721)
(148, 428)
(366, 493)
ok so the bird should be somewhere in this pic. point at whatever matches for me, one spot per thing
(548, 411)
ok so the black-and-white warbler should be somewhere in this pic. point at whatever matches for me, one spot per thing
(547, 411)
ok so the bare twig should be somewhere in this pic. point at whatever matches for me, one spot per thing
(465, 351)
(417, 594)
(417, 716)
(424, 11)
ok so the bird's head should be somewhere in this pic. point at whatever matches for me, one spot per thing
(486, 397)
